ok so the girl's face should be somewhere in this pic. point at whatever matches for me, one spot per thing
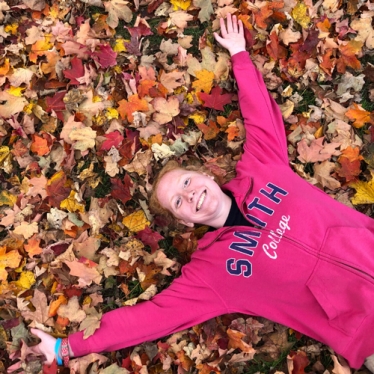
(191, 197)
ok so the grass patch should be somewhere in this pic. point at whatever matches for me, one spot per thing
(309, 98)
(104, 187)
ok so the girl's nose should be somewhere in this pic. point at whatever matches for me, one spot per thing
(190, 195)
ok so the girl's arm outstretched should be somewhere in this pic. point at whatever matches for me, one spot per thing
(266, 138)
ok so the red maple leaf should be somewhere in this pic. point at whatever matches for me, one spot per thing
(105, 56)
(76, 71)
(215, 100)
(150, 237)
(50, 369)
(114, 139)
(56, 104)
(121, 191)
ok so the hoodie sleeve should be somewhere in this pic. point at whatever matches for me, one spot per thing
(265, 138)
(187, 302)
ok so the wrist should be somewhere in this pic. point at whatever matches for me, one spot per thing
(234, 51)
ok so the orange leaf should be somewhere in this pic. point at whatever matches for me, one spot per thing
(32, 247)
(274, 49)
(144, 86)
(210, 131)
(232, 132)
(359, 115)
(352, 154)
(348, 57)
(134, 104)
(235, 341)
(53, 307)
(62, 321)
(39, 145)
(325, 25)
(328, 63)
(4, 68)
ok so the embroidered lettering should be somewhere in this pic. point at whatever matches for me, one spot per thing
(274, 190)
(243, 247)
(239, 267)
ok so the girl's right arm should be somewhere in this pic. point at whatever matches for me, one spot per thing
(187, 302)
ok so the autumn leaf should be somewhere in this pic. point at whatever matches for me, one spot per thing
(348, 57)
(32, 247)
(10, 259)
(72, 310)
(91, 323)
(216, 99)
(136, 221)
(364, 192)
(317, 150)
(166, 109)
(235, 341)
(133, 104)
(359, 115)
(297, 362)
(39, 145)
(204, 81)
(113, 139)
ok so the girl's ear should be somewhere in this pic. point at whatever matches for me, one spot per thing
(188, 224)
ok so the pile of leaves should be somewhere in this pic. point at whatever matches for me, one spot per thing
(95, 97)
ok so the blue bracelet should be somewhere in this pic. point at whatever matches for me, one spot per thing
(57, 351)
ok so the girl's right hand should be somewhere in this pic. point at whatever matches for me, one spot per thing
(47, 345)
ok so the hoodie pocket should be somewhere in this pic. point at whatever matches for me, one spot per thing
(343, 288)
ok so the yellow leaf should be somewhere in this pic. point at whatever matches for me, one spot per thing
(8, 260)
(12, 28)
(26, 280)
(16, 91)
(198, 117)
(71, 204)
(7, 198)
(180, 4)
(364, 192)
(204, 81)
(112, 113)
(300, 15)
(136, 221)
(120, 45)
(4, 152)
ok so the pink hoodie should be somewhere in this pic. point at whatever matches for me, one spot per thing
(308, 264)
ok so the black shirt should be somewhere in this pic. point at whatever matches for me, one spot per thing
(235, 217)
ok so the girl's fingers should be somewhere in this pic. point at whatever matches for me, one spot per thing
(223, 27)
(229, 23)
(234, 24)
(241, 28)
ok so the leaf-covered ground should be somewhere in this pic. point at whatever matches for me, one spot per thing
(95, 96)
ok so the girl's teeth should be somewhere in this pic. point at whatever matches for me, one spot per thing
(201, 200)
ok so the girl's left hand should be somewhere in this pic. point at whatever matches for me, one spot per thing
(47, 345)
(232, 37)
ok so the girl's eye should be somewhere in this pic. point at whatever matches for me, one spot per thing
(186, 182)
(178, 202)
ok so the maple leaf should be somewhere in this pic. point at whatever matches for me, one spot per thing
(364, 192)
(210, 131)
(322, 173)
(40, 313)
(76, 71)
(91, 323)
(350, 161)
(105, 56)
(166, 109)
(57, 188)
(32, 247)
(72, 310)
(56, 104)
(136, 221)
(273, 47)
(235, 341)
(113, 139)
(121, 191)
(359, 115)
(10, 259)
(348, 58)
(297, 362)
(39, 145)
(117, 9)
(204, 81)
(133, 104)
(10, 104)
(317, 151)
(86, 275)
(216, 99)
(27, 230)
(150, 237)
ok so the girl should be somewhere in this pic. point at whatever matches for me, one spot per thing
(282, 249)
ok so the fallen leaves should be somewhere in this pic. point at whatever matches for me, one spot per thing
(96, 95)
